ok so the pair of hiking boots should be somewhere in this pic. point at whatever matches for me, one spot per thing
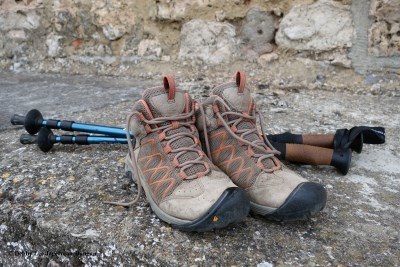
(204, 165)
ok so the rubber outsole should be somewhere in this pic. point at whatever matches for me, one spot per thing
(231, 207)
(305, 201)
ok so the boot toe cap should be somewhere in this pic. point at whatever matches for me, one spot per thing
(307, 199)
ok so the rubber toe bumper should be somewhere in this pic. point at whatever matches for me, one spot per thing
(306, 200)
(232, 206)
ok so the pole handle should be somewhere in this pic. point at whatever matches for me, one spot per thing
(27, 139)
(17, 119)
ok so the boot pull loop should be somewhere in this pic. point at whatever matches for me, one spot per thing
(169, 86)
(240, 81)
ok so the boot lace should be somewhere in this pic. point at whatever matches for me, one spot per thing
(265, 149)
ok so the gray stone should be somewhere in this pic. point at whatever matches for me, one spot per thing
(17, 35)
(53, 45)
(115, 18)
(258, 28)
(149, 47)
(172, 10)
(265, 59)
(319, 27)
(208, 42)
(220, 15)
(341, 61)
(15, 20)
(113, 32)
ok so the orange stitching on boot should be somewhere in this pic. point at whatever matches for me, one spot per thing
(152, 172)
(141, 116)
(227, 163)
(147, 108)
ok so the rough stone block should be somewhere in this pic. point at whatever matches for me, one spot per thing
(258, 28)
(17, 35)
(173, 10)
(19, 20)
(208, 42)
(114, 17)
(265, 59)
(384, 34)
(319, 27)
(149, 47)
(53, 45)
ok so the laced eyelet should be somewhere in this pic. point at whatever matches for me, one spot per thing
(147, 128)
(183, 175)
(161, 136)
(175, 125)
(260, 165)
(201, 174)
(250, 152)
(167, 148)
(234, 128)
(215, 108)
(193, 128)
(175, 163)
(196, 141)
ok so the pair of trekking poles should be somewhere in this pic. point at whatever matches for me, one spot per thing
(315, 149)
(45, 139)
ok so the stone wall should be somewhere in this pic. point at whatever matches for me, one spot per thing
(384, 34)
(113, 36)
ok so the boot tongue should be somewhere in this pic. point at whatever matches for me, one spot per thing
(165, 101)
(236, 100)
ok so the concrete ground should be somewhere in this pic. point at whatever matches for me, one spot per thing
(51, 210)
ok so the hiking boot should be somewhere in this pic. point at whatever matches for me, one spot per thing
(227, 125)
(183, 187)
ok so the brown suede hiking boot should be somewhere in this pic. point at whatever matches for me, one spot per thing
(227, 124)
(183, 186)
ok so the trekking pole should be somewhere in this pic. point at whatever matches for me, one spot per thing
(46, 139)
(33, 121)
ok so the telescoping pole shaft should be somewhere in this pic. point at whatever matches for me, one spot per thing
(33, 122)
(86, 128)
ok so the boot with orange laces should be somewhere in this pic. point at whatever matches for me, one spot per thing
(227, 125)
(183, 186)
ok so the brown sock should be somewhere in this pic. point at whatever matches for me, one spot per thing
(321, 140)
(308, 154)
